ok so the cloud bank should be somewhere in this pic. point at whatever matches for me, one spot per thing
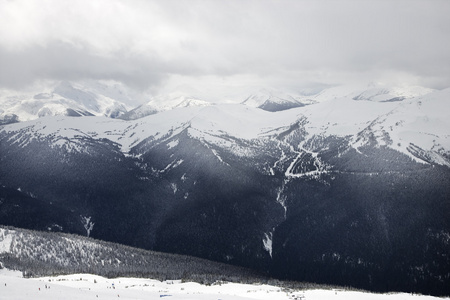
(155, 45)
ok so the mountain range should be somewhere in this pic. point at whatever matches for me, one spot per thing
(114, 100)
(348, 186)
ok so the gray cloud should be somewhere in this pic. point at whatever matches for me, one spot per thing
(147, 44)
(61, 62)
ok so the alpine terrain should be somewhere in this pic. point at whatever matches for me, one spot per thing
(346, 187)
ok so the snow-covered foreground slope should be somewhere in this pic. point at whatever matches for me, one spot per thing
(86, 286)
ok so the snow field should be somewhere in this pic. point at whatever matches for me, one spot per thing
(86, 286)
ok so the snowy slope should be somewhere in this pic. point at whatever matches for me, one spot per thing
(204, 122)
(86, 286)
(419, 123)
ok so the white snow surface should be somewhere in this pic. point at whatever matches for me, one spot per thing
(86, 286)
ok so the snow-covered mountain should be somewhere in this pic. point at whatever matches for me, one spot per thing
(65, 99)
(377, 92)
(276, 100)
(421, 122)
(311, 193)
(114, 100)
(389, 94)
(163, 103)
(273, 100)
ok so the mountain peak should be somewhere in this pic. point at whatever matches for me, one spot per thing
(272, 100)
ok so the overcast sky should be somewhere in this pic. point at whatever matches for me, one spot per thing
(157, 45)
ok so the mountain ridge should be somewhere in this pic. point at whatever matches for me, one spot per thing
(425, 117)
(114, 100)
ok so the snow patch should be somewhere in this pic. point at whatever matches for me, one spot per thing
(267, 242)
(216, 154)
(172, 144)
(6, 239)
(87, 224)
(174, 187)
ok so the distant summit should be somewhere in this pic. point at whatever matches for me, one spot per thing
(163, 103)
(64, 99)
(272, 100)
(376, 92)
